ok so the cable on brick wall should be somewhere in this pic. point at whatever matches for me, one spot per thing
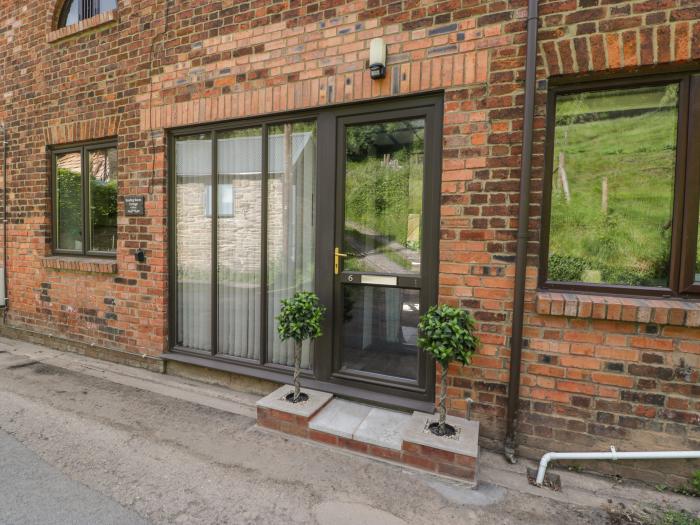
(157, 39)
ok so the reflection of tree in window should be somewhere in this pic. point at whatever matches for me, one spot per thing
(103, 200)
(69, 207)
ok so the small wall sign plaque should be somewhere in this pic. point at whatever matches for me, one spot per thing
(134, 206)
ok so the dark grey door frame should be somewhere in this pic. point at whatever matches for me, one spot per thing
(427, 109)
(329, 121)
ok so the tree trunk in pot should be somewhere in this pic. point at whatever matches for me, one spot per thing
(297, 369)
(443, 398)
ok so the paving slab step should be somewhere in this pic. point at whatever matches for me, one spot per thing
(340, 418)
(383, 428)
(375, 426)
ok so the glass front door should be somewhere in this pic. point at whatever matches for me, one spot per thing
(379, 267)
(379, 256)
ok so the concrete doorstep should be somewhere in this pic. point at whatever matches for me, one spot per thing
(386, 434)
(495, 473)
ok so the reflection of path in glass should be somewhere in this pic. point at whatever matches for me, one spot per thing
(373, 260)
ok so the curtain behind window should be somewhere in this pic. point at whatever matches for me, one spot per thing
(290, 227)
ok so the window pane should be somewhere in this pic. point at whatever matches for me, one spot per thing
(384, 196)
(107, 5)
(239, 242)
(69, 201)
(290, 227)
(194, 246)
(379, 330)
(225, 200)
(612, 186)
(72, 13)
(103, 200)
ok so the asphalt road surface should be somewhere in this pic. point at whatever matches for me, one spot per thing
(88, 445)
(34, 492)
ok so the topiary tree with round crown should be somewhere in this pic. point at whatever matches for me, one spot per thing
(300, 319)
(447, 334)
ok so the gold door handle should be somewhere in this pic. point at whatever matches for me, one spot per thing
(336, 257)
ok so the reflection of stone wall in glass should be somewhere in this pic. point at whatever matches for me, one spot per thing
(291, 230)
(239, 236)
(194, 227)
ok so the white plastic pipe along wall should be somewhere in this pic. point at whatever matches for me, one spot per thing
(613, 455)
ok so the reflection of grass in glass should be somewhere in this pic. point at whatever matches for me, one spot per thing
(637, 155)
(353, 264)
(380, 197)
(381, 249)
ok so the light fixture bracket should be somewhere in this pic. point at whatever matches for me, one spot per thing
(377, 58)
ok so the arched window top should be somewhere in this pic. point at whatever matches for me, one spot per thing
(76, 10)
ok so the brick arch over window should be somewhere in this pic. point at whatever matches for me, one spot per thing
(79, 10)
(58, 10)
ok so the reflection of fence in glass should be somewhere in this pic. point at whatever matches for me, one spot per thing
(612, 191)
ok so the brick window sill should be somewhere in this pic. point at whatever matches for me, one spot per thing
(83, 25)
(80, 264)
(676, 312)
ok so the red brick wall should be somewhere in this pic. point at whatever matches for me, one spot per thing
(587, 381)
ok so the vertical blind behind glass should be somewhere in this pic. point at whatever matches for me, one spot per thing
(193, 251)
(239, 242)
(290, 237)
(290, 227)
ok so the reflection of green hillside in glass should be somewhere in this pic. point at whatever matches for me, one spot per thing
(629, 139)
(379, 196)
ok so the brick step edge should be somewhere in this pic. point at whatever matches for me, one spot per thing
(440, 462)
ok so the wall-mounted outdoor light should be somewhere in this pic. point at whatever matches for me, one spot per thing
(377, 58)
(140, 255)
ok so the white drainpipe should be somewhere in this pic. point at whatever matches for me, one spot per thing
(614, 455)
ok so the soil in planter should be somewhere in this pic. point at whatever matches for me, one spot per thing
(302, 397)
(449, 430)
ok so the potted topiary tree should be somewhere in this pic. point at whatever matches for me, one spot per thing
(300, 319)
(447, 334)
